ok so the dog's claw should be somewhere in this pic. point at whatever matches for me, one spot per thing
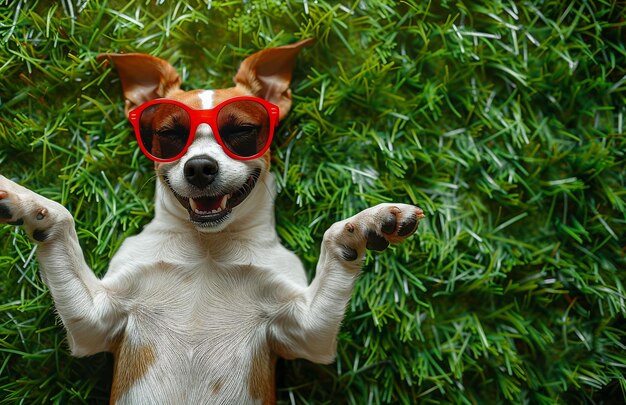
(41, 214)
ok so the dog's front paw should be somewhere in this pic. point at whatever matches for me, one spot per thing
(373, 228)
(20, 206)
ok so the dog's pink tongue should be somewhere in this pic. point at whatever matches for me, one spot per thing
(207, 204)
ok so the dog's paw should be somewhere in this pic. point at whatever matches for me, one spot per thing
(374, 228)
(20, 206)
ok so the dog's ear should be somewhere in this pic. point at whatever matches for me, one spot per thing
(267, 74)
(144, 77)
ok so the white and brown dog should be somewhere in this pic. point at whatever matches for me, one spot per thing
(197, 307)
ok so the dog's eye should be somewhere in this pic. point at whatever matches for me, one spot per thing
(241, 138)
(240, 135)
(169, 140)
(235, 131)
(175, 125)
(171, 133)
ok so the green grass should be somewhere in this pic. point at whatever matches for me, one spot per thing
(504, 121)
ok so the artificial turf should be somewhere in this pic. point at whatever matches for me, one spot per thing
(503, 120)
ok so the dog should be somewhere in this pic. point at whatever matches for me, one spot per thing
(199, 305)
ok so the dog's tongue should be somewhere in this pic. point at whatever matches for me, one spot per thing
(207, 204)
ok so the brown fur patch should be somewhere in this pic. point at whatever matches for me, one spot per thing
(282, 350)
(190, 98)
(217, 386)
(221, 95)
(263, 376)
(130, 364)
(268, 160)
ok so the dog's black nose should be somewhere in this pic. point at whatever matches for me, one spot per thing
(201, 170)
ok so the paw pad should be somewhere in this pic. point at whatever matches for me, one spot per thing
(389, 223)
(40, 235)
(375, 241)
(5, 212)
(349, 254)
(375, 229)
(407, 226)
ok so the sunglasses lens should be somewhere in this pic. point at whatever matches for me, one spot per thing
(244, 127)
(164, 130)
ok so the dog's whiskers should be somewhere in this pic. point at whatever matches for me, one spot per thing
(269, 192)
(147, 181)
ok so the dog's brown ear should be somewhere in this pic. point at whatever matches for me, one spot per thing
(144, 77)
(267, 74)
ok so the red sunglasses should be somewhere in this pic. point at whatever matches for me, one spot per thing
(243, 126)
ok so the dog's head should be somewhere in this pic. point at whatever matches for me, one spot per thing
(210, 149)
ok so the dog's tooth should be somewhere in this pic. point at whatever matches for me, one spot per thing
(197, 210)
(194, 207)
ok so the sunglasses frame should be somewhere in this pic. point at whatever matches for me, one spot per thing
(204, 116)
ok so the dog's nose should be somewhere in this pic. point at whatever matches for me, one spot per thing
(201, 170)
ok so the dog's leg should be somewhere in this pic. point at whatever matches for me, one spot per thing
(80, 299)
(307, 325)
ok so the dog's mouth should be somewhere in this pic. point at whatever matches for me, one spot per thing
(212, 209)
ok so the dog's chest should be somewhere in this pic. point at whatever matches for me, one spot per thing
(198, 304)
(206, 326)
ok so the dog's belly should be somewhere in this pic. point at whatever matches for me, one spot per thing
(195, 336)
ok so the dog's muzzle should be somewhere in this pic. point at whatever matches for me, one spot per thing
(210, 209)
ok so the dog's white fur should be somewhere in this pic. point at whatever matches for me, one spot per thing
(196, 315)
